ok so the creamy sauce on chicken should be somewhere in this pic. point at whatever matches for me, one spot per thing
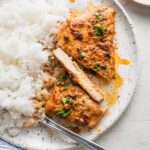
(88, 38)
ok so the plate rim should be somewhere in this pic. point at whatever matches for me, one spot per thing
(142, 3)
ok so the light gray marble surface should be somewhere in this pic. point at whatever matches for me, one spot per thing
(132, 131)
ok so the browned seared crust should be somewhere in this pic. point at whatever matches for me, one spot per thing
(78, 38)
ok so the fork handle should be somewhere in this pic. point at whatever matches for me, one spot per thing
(91, 145)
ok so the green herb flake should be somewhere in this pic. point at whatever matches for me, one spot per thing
(99, 30)
(97, 67)
(98, 16)
(66, 85)
(66, 113)
(63, 113)
(59, 111)
(104, 7)
(64, 77)
(82, 54)
(66, 99)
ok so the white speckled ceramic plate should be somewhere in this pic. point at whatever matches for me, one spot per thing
(40, 138)
(143, 2)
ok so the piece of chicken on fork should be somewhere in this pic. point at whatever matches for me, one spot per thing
(88, 38)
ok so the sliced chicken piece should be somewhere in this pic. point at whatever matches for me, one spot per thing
(79, 76)
(88, 38)
(69, 102)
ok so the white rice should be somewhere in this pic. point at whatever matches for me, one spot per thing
(22, 24)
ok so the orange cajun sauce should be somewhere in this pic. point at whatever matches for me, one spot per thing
(72, 1)
(74, 12)
(121, 61)
(112, 95)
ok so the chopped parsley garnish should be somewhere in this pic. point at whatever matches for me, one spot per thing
(63, 78)
(66, 99)
(104, 7)
(98, 67)
(63, 113)
(82, 54)
(98, 16)
(99, 30)
(59, 111)
(66, 85)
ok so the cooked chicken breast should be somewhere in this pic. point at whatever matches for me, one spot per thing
(69, 101)
(79, 76)
(88, 38)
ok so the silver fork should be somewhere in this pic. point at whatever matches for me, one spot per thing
(91, 145)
